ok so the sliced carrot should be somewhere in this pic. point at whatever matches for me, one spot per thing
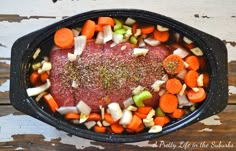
(106, 21)
(94, 117)
(130, 130)
(178, 113)
(88, 29)
(140, 115)
(135, 122)
(161, 36)
(147, 30)
(140, 128)
(134, 28)
(168, 103)
(161, 120)
(202, 63)
(173, 86)
(51, 102)
(99, 129)
(64, 38)
(173, 64)
(193, 63)
(72, 116)
(144, 110)
(98, 28)
(196, 97)
(190, 78)
(44, 76)
(35, 78)
(109, 118)
(205, 79)
(117, 128)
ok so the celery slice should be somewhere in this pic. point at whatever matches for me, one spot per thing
(159, 112)
(133, 40)
(138, 99)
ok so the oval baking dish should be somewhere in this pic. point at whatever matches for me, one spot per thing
(21, 60)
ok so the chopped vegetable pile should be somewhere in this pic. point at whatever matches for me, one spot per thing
(178, 92)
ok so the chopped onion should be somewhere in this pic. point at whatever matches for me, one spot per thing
(165, 77)
(152, 41)
(107, 33)
(72, 57)
(90, 124)
(128, 102)
(141, 43)
(138, 32)
(128, 33)
(126, 118)
(162, 28)
(36, 66)
(83, 117)
(99, 38)
(132, 108)
(102, 111)
(183, 101)
(37, 90)
(162, 92)
(148, 122)
(99, 123)
(115, 111)
(137, 90)
(200, 80)
(195, 89)
(76, 32)
(150, 114)
(186, 64)
(36, 53)
(155, 129)
(187, 41)
(130, 21)
(67, 109)
(181, 52)
(46, 66)
(197, 51)
(117, 38)
(105, 123)
(183, 89)
(156, 85)
(80, 43)
(140, 52)
(181, 74)
(83, 107)
(40, 96)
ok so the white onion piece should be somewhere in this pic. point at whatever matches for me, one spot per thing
(141, 43)
(36, 53)
(195, 89)
(130, 21)
(140, 52)
(40, 96)
(115, 111)
(107, 33)
(148, 122)
(80, 44)
(126, 118)
(183, 101)
(156, 85)
(152, 41)
(83, 117)
(183, 89)
(46, 66)
(99, 38)
(105, 123)
(155, 129)
(128, 102)
(181, 74)
(197, 51)
(162, 28)
(186, 40)
(150, 114)
(72, 57)
(200, 80)
(83, 107)
(75, 32)
(90, 124)
(162, 92)
(186, 65)
(137, 90)
(117, 38)
(138, 32)
(37, 90)
(181, 52)
(132, 108)
(67, 109)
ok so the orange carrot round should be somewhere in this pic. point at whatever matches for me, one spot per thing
(147, 30)
(44, 76)
(161, 120)
(191, 78)
(117, 128)
(51, 102)
(94, 117)
(168, 103)
(202, 63)
(193, 63)
(109, 118)
(99, 129)
(88, 29)
(135, 122)
(173, 86)
(106, 21)
(98, 28)
(173, 64)
(144, 110)
(205, 79)
(134, 28)
(35, 78)
(161, 36)
(178, 113)
(72, 116)
(140, 115)
(196, 97)
(64, 38)
(140, 128)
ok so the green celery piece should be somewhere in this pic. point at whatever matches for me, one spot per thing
(138, 99)
(133, 40)
(118, 24)
(127, 27)
(120, 31)
(159, 112)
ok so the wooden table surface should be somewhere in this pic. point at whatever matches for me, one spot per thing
(21, 132)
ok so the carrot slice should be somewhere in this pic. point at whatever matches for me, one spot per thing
(144, 110)
(35, 78)
(168, 103)
(140, 115)
(134, 28)
(161, 36)
(196, 97)
(51, 102)
(178, 113)
(135, 122)
(130, 130)
(193, 63)
(64, 38)
(98, 28)
(99, 129)
(173, 86)
(106, 21)
(173, 64)
(161, 120)
(44, 76)
(202, 63)
(140, 128)
(147, 30)
(117, 128)
(94, 117)
(205, 79)
(72, 116)
(109, 118)
(190, 78)
(88, 29)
